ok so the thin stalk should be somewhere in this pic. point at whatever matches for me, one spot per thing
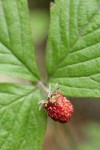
(43, 88)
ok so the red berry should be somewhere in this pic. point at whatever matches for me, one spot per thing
(59, 108)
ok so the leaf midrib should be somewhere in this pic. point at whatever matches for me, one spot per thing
(23, 63)
(18, 99)
(81, 34)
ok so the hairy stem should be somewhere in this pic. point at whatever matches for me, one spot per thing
(43, 88)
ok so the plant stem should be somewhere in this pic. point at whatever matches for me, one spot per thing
(43, 88)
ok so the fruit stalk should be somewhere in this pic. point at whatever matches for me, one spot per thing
(43, 88)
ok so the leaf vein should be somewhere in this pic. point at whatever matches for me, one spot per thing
(20, 60)
(62, 67)
(71, 48)
(16, 100)
(85, 88)
(12, 127)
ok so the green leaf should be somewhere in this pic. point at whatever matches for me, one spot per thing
(16, 46)
(73, 51)
(22, 125)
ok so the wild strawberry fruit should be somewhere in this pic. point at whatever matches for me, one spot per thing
(58, 107)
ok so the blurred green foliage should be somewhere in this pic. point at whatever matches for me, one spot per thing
(39, 24)
(92, 142)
